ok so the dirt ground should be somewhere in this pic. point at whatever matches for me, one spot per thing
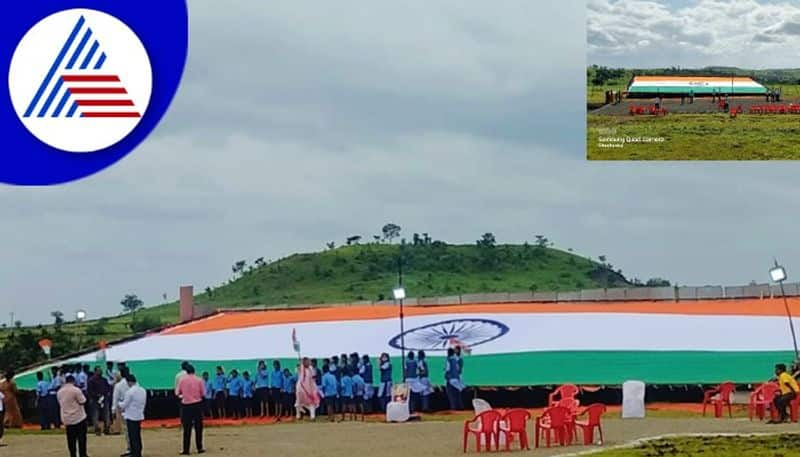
(354, 439)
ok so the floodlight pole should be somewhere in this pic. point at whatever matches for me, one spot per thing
(402, 323)
(788, 315)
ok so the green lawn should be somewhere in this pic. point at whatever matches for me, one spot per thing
(785, 445)
(697, 137)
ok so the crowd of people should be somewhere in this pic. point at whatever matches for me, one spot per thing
(345, 384)
(108, 399)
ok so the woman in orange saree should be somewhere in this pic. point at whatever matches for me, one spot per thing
(13, 416)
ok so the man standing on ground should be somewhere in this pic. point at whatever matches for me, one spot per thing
(789, 389)
(132, 406)
(71, 403)
(120, 389)
(99, 394)
(191, 390)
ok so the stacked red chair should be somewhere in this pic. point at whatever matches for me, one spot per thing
(484, 427)
(567, 391)
(556, 423)
(719, 397)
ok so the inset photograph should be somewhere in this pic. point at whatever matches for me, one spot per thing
(693, 80)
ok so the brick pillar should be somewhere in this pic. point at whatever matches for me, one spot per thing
(187, 303)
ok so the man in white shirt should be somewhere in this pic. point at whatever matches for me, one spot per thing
(132, 406)
(120, 388)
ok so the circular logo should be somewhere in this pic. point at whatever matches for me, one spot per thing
(88, 81)
(80, 80)
(445, 334)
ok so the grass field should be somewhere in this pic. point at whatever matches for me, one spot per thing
(786, 445)
(433, 438)
(697, 137)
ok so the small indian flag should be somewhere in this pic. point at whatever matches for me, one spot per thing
(295, 343)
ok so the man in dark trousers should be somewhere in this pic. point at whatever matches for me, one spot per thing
(99, 394)
(73, 414)
(789, 389)
(191, 390)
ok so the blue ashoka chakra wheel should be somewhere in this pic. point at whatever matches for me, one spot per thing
(438, 336)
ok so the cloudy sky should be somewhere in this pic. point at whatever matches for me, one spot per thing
(694, 33)
(297, 125)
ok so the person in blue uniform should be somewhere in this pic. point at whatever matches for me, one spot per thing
(358, 394)
(346, 393)
(218, 387)
(330, 391)
(247, 395)
(453, 384)
(411, 380)
(365, 370)
(235, 387)
(287, 392)
(385, 386)
(262, 389)
(275, 384)
(208, 396)
(423, 377)
(56, 381)
(42, 403)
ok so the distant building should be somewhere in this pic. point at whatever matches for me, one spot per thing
(677, 86)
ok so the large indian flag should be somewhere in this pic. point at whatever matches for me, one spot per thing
(510, 344)
(699, 85)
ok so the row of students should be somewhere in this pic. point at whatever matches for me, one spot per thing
(237, 396)
(272, 392)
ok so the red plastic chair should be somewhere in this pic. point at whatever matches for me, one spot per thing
(723, 398)
(571, 403)
(562, 392)
(483, 426)
(515, 421)
(761, 399)
(593, 414)
(556, 422)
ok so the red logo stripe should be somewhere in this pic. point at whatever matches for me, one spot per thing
(117, 114)
(104, 102)
(90, 78)
(98, 90)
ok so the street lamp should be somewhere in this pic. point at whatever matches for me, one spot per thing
(399, 294)
(778, 274)
(80, 315)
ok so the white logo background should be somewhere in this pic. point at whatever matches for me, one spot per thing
(34, 56)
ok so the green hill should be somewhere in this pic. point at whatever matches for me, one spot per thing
(354, 273)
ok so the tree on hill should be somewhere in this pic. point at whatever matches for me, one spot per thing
(351, 240)
(131, 303)
(390, 231)
(238, 267)
(657, 282)
(542, 242)
(487, 240)
(58, 318)
(331, 246)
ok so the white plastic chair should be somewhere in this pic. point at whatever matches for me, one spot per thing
(633, 400)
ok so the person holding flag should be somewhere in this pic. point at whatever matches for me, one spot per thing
(307, 395)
